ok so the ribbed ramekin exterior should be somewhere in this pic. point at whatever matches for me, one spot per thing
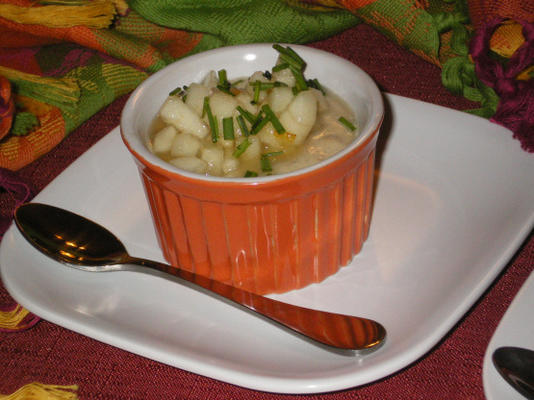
(266, 246)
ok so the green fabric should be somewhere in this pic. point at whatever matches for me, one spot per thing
(411, 27)
(229, 22)
(23, 123)
(98, 82)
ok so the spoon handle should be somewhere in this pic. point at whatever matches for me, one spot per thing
(337, 330)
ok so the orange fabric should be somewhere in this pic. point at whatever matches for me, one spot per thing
(19, 151)
(507, 39)
(77, 34)
(7, 106)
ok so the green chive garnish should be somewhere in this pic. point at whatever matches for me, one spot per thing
(242, 125)
(259, 86)
(280, 67)
(247, 114)
(222, 77)
(179, 91)
(256, 94)
(228, 128)
(241, 147)
(267, 85)
(211, 120)
(258, 125)
(292, 53)
(300, 81)
(288, 55)
(224, 85)
(344, 121)
(265, 164)
(249, 174)
(269, 114)
(265, 161)
(314, 83)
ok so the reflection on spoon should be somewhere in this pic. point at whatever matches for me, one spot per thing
(83, 244)
(516, 366)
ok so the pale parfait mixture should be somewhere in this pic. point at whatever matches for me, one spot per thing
(269, 123)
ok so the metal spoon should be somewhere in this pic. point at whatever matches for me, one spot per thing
(516, 366)
(85, 245)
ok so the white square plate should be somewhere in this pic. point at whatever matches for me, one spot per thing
(454, 200)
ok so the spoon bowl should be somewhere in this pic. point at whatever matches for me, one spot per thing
(83, 244)
(516, 366)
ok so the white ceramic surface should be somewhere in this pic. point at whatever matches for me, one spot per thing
(515, 329)
(453, 203)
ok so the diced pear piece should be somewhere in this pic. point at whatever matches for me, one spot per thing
(300, 116)
(214, 157)
(229, 165)
(191, 164)
(185, 144)
(175, 112)
(253, 151)
(284, 76)
(163, 139)
(279, 98)
(222, 105)
(195, 97)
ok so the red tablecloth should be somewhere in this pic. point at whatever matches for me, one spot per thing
(452, 370)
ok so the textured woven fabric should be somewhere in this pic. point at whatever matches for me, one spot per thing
(81, 69)
(67, 65)
(452, 370)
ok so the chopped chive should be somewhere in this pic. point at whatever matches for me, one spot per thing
(273, 118)
(258, 125)
(292, 63)
(214, 127)
(249, 174)
(241, 147)
(292, 53)
(267, 85)
(256, 94)
(344, 121)
(280, 67)
(259, 86)
(247, 114)
(222, 77)
(243, 125)
(300, 81)
(288, 55)
(179, 91)
(228, 128)
(205, 106)
(224, 85)
(265, 164)
(265, 161)
(224, 89)
(314, 83)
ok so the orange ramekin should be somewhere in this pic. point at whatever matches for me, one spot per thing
(265, 234)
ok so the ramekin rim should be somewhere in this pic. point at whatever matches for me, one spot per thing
(151, 160)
